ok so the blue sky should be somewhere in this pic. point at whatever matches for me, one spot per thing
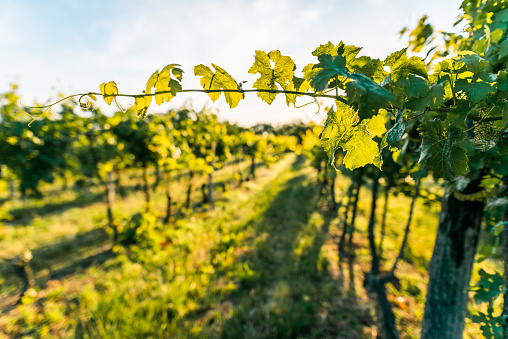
(72, 46)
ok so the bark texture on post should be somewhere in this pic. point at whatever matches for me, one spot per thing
(451, 266)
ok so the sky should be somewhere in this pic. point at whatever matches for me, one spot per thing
(70, 46)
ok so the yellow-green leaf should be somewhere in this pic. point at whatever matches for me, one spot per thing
(281, 73)
(344, 130)
(108, 91)
(220, 80)
(141, 106)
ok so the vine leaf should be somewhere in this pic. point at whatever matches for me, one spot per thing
(473, 61)
(281, 73)
(345, 51)
(394, 135)
(415, 86)
(367, 96)
(330, 67)
(503, 49)
(141, 106)
(218, 81)
(108, 90)
(163, 82)
(328, 48)
(476, 91)
(373, 68)
(442, 150)
(404, 66)
(433, 99)
(458, 113)
(394, 57)
(343, 129)
(502, 81)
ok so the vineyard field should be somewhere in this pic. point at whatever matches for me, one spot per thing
(262, 263)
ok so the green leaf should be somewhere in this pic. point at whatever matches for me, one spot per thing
(433, 99)
(415, 86)
(394, 57)
(480, 46)
(328, 48)
(489, 286)
(376, 125)
(503, 49)
(402, 67)
(476, 91)
(343, 130)
(458, 113)
(373, 68)
(301, 85)
(220, 80)
(281, 73)
(500, 164)
(310, 72)
(473, 61)
(107, 90)
(367, 96)
(502, 81)
(442, 150)
(348, 51)
(394, 135)
(496, 35)
(330, 67)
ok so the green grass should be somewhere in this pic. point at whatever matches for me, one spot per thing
(262, 263)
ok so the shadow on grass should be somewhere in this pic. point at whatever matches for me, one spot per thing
(62, 257)
(23, 215)
(284, 286)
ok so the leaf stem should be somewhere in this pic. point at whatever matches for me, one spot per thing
(416, 116)
(81, 95)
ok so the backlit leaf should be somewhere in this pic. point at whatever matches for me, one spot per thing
(281, 73)
(402, 67)
(108, 91)
(473, 61)
(394, 57)
(344, 130)
(220, 80)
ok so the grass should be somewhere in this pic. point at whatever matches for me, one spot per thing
(262, 263)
